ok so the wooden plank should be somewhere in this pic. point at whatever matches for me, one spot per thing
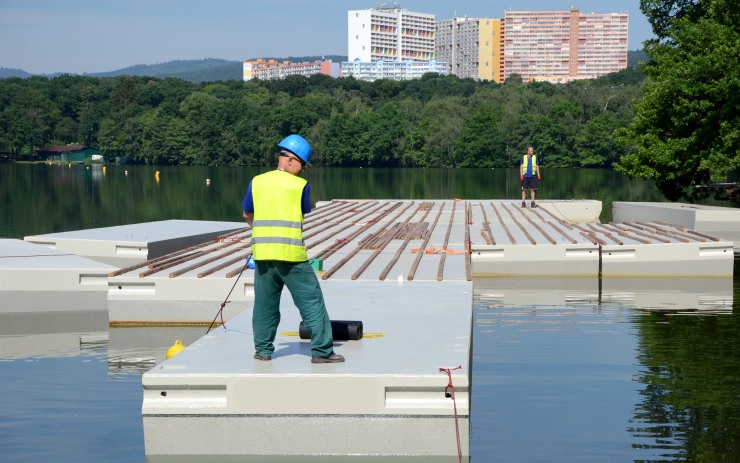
(401, 248)
(424, 245)
(503, 225)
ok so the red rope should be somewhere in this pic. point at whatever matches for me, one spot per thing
(226, 301)
(450, 393)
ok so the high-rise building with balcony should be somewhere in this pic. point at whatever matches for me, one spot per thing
(390, 34)
(563, 45)
(386, 36)
(472, 47)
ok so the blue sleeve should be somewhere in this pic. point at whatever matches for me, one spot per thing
(306, 200)
(248, 202)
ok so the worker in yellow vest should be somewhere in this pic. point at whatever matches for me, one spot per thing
(529, 174)
(274, 207)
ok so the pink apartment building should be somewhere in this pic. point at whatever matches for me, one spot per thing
(563, 45)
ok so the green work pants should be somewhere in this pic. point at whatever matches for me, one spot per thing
(269, 278)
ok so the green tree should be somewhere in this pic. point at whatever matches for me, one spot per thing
(480, 143)
(381, 139)
(661, 13)
(687, 126)
(435, 121)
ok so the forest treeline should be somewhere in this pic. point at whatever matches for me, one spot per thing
(435, 121)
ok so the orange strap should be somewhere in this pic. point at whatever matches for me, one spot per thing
(438, 251)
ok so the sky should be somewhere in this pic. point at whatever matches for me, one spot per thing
(88, 36)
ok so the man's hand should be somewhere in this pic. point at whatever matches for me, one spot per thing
(249, 217)
(539, 178)
(521, 178)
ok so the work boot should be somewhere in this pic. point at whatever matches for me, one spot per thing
(533, 204)
(333, 358)
(264, 358)
(524, 204)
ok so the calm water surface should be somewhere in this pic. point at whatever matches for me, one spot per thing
(644, 371)
(39, 198)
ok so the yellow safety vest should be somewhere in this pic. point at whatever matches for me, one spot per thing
(277, 229)
(525, 165)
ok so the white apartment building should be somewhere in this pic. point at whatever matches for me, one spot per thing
(387, 36)
(391, 70)
(563, 45)
(472, 47)
(390, 34)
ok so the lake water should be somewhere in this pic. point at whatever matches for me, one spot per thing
(563, 371)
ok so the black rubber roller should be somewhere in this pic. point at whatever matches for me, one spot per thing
(342, 330)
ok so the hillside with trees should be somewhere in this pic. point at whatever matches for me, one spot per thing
(436, 121)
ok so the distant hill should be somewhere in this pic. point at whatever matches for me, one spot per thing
(205, 70)
(9, 72)
(636, 57)
(212, 69)
(192, 70)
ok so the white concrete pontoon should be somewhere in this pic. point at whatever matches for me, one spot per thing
(34, 278)
(365, 240)
(541, 242)
(722, 222)
(427, 240)
(388, 398)
(130, 244)
(404, 268)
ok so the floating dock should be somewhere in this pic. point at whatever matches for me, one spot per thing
(420, 240)
(387, 399)
(34, 278)
(722, 222)
(125, 245)
(404, 268)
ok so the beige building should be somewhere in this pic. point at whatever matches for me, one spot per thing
(563, 45)
(270, 69)
(472, 47)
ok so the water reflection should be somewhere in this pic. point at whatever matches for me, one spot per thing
(79, 197)
(575, 371)
(704, 296)
(138, 349)
(55, 334)
(690, 396)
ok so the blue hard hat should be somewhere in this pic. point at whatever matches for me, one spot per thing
(297, 145)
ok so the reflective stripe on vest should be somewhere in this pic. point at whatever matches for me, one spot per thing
(526, 166)
(277, 228)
